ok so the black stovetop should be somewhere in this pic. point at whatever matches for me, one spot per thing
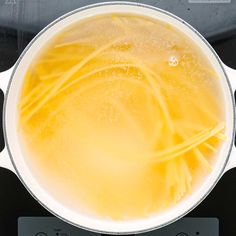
(16, 31)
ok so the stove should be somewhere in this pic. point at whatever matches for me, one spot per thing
(20, 21)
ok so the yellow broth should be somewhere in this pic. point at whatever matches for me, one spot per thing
(121, 116)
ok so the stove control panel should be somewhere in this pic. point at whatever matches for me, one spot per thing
(51, 226)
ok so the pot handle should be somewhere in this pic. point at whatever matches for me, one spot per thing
(5, 161)
(231, 73)
(5, 76)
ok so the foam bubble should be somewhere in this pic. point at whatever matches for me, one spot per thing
(173, 61)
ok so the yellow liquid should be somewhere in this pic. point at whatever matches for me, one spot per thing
(121, 116)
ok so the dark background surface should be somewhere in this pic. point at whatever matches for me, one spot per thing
(15, 201)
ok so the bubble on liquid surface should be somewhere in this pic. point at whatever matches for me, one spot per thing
(173, 61)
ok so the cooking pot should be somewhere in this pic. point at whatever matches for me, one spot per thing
(12, 157)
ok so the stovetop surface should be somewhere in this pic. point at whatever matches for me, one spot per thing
(16, 31)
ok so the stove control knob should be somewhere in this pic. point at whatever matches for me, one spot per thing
(41, 234)
(182, 234)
